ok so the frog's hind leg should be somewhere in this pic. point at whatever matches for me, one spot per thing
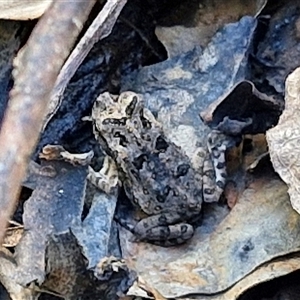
(214, 170)
(203, 163)
(157, 230)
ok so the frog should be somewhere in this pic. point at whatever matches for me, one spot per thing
(157, 176)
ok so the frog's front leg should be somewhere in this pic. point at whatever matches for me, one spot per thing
(214, 167)
(211, 165)
(165, 229)
(107, 178)
(203, 164)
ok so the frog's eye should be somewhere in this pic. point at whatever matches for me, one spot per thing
(131, 106)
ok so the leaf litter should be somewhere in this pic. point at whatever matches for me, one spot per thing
(68, 243)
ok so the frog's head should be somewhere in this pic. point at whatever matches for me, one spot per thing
(131, 104)
(127, 105)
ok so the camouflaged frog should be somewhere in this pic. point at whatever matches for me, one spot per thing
(158, 177)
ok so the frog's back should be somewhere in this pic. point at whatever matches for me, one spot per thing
(162, 180)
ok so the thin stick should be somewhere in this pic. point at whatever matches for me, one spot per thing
(36, 69)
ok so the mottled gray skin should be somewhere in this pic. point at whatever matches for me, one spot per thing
(157, 175)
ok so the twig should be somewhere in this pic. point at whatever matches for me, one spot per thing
(36, 69)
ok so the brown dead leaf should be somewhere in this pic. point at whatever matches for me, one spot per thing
(259, 149)
(149, 289)
(192, 25)
(284, 140)
(245, 102)
(13, 234)
(277, 268)
(220, 255)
